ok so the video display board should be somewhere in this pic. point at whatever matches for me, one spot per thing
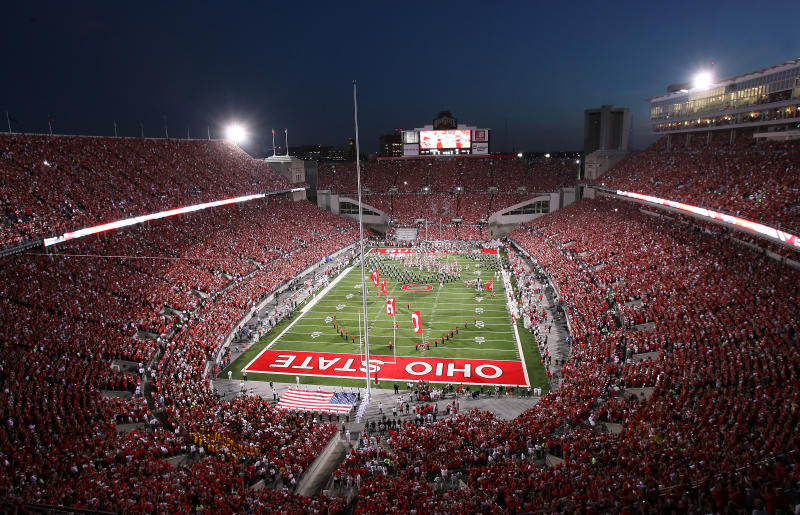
(452, 139)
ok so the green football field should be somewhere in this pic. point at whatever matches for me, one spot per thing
(449, 306)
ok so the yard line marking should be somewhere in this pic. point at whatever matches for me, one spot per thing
(303, 311)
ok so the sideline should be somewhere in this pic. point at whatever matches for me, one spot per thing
(507, 283)
(303, 312)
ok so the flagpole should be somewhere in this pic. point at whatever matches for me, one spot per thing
(115, 129)
(8, 119)
(359, 334)
(361, 235)
(50, 126)
(209, 132)
(286, 131)
(273, 143)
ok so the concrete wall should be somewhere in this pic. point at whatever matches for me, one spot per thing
(599, 162)
(329, 201)
(295, 170)
(324, 200)
(501, 224)
(568, 196)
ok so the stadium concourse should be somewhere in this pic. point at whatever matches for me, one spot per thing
(680, 392)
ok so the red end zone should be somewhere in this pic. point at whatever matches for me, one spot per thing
(407, 368)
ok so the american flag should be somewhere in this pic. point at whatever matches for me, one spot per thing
(325, 402)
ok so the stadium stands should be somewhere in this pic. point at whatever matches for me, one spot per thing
(66, 318)
(755, 181)
(442, 176)
(53, 184)
(163, 295)
(717, 433)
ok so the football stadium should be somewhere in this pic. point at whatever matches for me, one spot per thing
(446, 325)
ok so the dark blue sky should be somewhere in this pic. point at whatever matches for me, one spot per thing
(531, 67)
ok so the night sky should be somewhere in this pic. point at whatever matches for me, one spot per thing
(526, 71)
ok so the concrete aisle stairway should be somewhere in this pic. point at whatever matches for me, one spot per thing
(320, 471)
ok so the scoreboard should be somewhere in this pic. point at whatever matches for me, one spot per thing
(443, 140)
(450, 142)
(445, 137)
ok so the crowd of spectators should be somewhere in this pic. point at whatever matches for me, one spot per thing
(444, 175)
(53, 184)
(471, 208)
(405, 209)
(757, 181)
(717, 433)
(161, 296)
(439, 190)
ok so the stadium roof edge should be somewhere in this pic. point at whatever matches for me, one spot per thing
(790, 63)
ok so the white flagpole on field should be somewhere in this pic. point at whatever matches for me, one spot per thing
(361, 234)
(273, 143)
(360, 353)
(286, 131)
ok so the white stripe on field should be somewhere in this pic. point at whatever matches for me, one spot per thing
(303, 312)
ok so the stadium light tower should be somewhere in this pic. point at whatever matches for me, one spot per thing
(702, 80)
(236, 133)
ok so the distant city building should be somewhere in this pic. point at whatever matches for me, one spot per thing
(324, 153)
(392, 145)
